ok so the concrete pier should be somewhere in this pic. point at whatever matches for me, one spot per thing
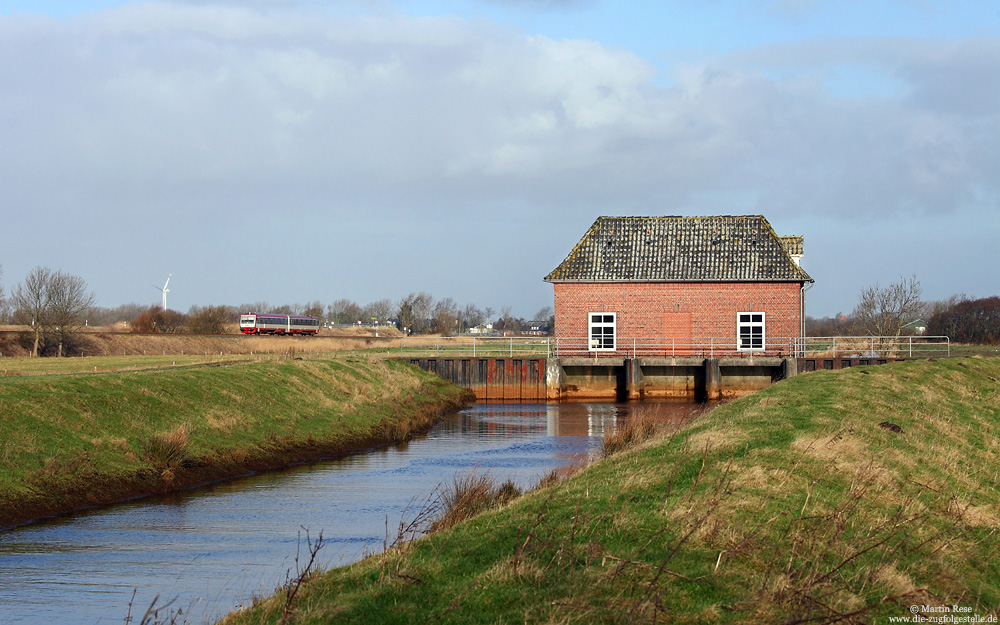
(609, 379)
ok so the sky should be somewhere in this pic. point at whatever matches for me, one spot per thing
(290, 151)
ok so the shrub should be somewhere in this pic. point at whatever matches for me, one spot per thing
(629, 434)
(469, 495)
(169, 450)
(970, 321)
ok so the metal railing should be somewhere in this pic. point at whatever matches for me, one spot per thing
(483, 347)
(671, 347)
(874, 347)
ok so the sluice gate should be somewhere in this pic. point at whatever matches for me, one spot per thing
(538, 369)
(607, 379)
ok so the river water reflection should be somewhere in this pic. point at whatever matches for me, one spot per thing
(208, 550)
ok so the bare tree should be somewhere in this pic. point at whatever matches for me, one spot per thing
(210, 319)
(883, 311)
(101, 316)
(154, 320)
(543, 314)
(255, 307)
(472, 316)
(445, 316)
(53, 303)
(30, 300)
(381, 310)
(343, 311)
(3, 298)
(313, 309)
(69, 302)
(414, 311)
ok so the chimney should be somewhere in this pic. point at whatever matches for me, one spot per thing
(794, 246)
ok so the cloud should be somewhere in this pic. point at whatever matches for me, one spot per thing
(171, 96)
(217, 117)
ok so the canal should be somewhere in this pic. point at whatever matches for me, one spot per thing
(209, 550)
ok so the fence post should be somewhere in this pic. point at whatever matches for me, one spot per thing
(473, 347)
(911, 347)
(512, 347)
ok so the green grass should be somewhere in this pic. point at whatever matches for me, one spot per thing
(68, 441)
(10, 367)
(793, 505)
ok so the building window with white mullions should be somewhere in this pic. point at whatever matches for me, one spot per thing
(750, 331)
(602, 332)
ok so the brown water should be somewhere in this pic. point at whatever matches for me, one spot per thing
(206, 551)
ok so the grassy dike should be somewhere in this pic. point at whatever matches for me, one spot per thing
(833, 497)
(71, 441)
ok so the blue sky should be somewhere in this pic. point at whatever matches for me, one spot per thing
(291, 151)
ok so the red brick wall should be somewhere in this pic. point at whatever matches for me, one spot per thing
(655, 309)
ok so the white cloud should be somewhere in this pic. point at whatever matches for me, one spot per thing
(210, 112)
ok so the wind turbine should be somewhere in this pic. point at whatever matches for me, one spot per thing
(165, 290)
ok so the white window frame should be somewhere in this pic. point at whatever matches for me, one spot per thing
(751, 341)
(598, 320)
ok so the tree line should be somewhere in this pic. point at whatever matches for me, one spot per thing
(55, 306)
(891, 310)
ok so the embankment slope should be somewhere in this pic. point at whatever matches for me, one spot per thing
(836, 496)
(71, 441)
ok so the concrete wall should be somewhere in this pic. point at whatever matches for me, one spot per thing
(492, 379)
(687, 379)
(608, 379)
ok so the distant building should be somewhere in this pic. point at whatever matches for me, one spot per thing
(537, 328)
(681, 282)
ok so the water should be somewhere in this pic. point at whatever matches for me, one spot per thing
(209, 550)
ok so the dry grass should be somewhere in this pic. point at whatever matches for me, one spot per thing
(169, 451)
(628, 435)
(471, 494)
(115, 342)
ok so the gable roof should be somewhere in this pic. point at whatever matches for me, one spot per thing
(680, 249)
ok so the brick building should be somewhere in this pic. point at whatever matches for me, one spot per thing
(680, 286)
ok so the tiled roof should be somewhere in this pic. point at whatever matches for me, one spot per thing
(680, 249)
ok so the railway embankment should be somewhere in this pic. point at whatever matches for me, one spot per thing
(17, 341)
(851, 496)
(73, 441)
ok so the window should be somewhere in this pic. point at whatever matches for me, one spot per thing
(750, 331)
(602, 331)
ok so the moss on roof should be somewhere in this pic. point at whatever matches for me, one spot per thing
(742, 248)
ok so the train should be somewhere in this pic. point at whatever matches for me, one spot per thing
(256, 323)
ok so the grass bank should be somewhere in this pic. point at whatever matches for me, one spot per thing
(833, 497)
(71, 441)
(16, 342)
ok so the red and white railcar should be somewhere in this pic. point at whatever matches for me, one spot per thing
(256, 323)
